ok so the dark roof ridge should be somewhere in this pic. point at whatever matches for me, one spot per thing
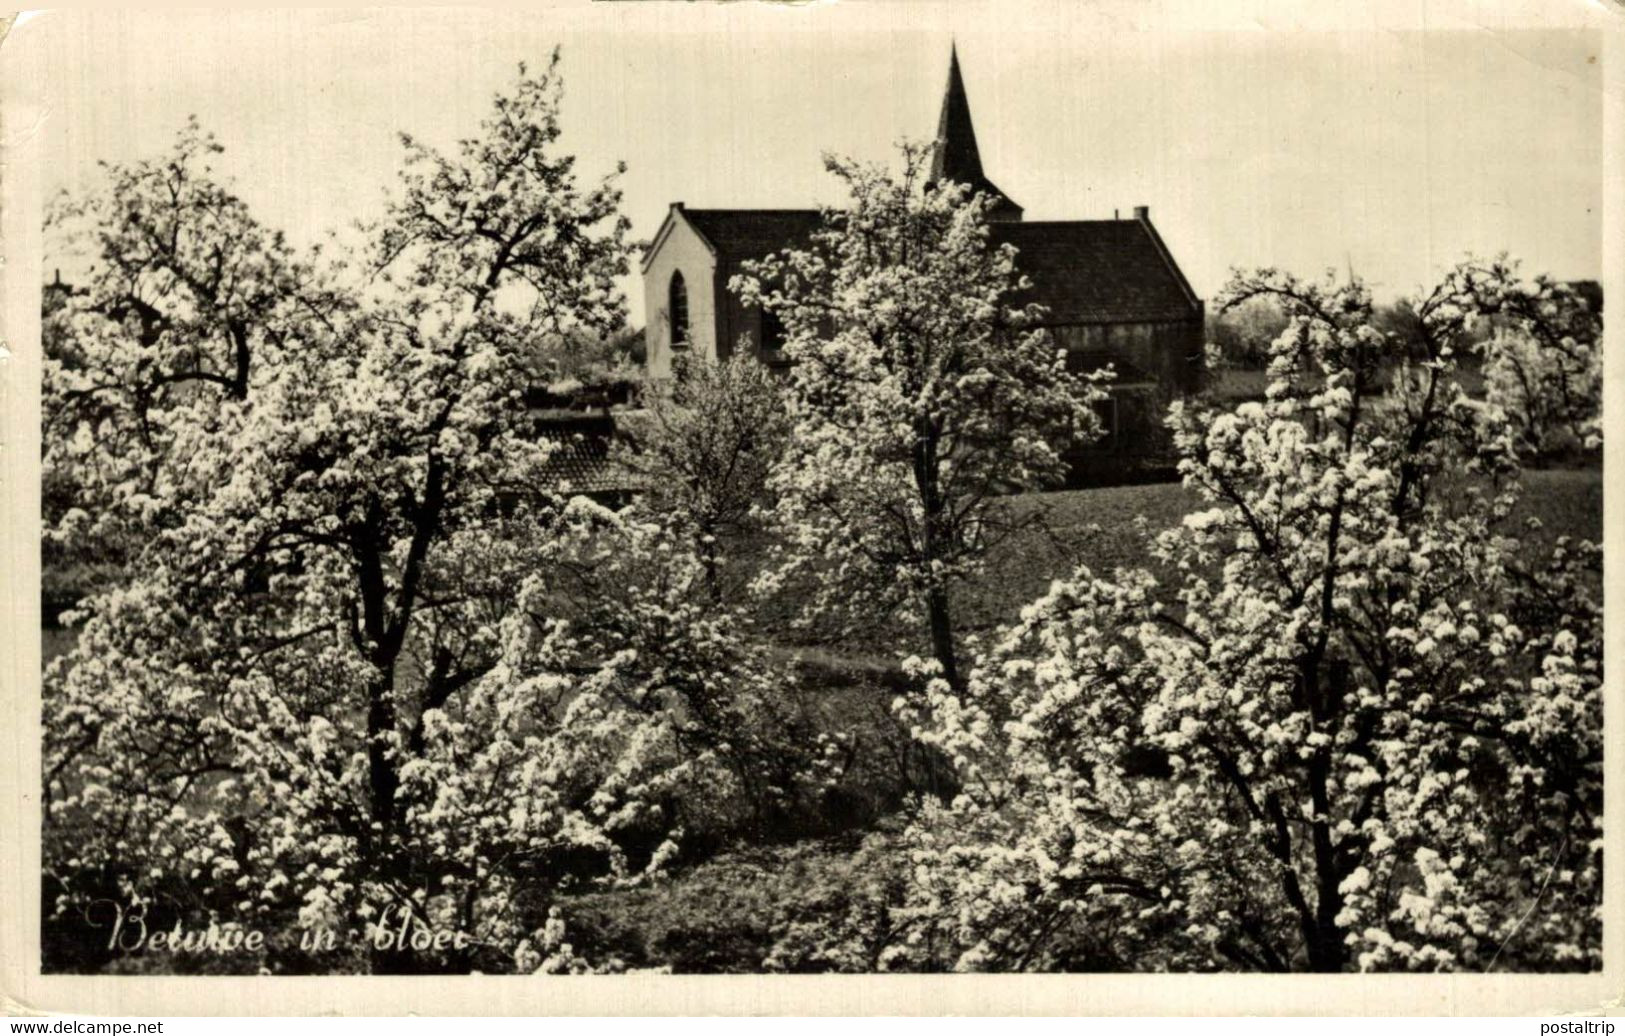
(689, 211)
(1053, 222)
(1168, 259)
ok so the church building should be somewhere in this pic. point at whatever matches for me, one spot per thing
(1111, 290)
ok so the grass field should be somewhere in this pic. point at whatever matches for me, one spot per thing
(1113, 528)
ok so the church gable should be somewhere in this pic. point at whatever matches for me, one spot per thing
(679, 293)
(738, 236)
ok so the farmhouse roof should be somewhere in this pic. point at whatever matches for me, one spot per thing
(581, 461)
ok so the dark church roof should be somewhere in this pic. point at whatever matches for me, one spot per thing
(957, 158)
(1098, 271)
(738, 234)
(1082, 272)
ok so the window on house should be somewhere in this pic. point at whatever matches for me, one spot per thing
(773, 334)
(677, 310)
(1106, 411)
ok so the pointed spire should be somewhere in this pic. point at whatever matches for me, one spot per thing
(957, 157)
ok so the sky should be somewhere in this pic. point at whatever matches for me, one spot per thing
(1350, 144)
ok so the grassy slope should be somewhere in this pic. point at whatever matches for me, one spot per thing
(1112, 528)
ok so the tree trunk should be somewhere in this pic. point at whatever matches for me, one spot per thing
(381, 648)
(942, 636)
(710, 564)
(382, 779)
(933, 542)
(1326, 684)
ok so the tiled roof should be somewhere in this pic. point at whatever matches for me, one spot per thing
(580, 462)
(1083, 272)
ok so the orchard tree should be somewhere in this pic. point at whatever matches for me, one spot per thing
(182, 293)
(1242, 334)
(705, 445)
(1361, 729)
(1542, 358)
(343, 680)
(919, 391)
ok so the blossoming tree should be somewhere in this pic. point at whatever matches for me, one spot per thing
(704, 447)
(1360, 728)
(362, 666)
(1545, 363)
(182, 291)
(919, 391)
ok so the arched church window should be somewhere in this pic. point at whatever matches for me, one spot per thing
(677, 308)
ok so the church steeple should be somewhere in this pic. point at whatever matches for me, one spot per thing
(957, 157)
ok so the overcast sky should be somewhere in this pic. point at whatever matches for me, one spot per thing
(1392, 151)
